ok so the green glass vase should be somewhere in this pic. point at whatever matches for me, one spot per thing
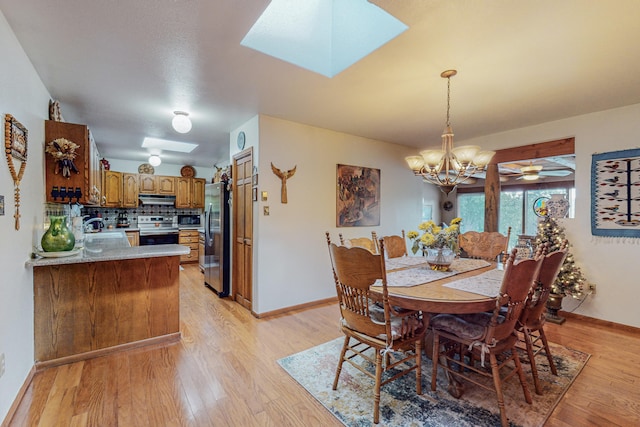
(58, 238)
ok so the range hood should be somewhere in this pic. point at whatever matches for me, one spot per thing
(156, 199)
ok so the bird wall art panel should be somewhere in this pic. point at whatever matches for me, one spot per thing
(615, 194)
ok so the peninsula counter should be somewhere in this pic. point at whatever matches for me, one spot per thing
(100, 301)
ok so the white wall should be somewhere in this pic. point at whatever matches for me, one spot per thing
(22, 95)
(291, 256)
(609, 263)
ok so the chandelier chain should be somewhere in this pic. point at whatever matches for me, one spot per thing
(448, 100)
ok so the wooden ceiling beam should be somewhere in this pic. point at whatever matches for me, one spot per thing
(558, 147)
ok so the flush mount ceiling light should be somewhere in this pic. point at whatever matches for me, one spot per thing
(169, 145)
(324, 36)
(155, 160)
(449, 166)
(181, 122)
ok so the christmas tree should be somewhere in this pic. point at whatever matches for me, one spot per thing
(570, 280)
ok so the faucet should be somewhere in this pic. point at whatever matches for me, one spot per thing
(87, 224)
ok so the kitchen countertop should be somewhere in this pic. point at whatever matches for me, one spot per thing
(114, 254)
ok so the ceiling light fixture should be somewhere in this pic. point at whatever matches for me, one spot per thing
(181, 122)
(155, 160)
(530, 173)
(449, 166)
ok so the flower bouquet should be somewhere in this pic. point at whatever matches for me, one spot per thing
(438, 243)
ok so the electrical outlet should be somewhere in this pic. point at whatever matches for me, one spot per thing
(1, 364)
(592, 288)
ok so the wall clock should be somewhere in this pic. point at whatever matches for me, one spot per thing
(241, 140)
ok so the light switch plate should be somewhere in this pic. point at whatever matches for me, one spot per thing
(265, 210)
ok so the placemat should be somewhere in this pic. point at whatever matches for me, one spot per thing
(419, 275)
(487, 283)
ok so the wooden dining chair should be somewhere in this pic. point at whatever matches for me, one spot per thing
(360, 242)
(530, 325)
(375, 333)
(395, 246)
(484, 244)
(462, 341)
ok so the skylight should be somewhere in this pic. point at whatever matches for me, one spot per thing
(168, 145)
(323, 36)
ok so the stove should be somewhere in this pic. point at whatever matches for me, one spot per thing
(158, 230)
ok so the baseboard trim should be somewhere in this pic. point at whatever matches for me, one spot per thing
(604, 323)
(299, 307)
(155, 341)
(19, 396)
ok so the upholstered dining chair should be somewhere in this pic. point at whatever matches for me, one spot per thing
(395, 246)
(360, 242)
(374, 331)
(530, 325)
(461, 341)
(484, 244)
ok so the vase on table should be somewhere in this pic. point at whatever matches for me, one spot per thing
(58, 238)
(553, 305)
(440, 259)
(557, 206)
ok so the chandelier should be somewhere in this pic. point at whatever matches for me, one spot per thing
(449, 166)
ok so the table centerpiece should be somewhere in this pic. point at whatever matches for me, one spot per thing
(438, 243)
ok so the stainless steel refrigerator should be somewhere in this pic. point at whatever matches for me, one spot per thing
(217, 247)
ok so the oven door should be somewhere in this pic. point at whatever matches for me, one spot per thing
(158, 238)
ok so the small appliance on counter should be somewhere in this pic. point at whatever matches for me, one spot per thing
(189, 220)
(123, 220)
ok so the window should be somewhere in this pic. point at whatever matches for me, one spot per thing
(516, 210)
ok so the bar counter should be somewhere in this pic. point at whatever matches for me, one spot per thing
(105, 299)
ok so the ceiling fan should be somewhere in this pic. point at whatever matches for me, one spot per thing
(531, 171)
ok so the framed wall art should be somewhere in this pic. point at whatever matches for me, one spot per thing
(615, 194)
(357, 196)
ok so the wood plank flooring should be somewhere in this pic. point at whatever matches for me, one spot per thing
(224, 373)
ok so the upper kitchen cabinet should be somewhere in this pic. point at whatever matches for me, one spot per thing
(157, 184)
(112, 189)
(129, 190)
(190, 192)
(73, 171)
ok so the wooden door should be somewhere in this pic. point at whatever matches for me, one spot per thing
(242, 228)
(166, 185)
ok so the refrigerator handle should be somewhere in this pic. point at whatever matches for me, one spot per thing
(207, 226)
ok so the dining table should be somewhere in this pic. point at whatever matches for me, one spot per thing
(471, 286)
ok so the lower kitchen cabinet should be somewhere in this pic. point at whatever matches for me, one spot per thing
(189, 238)
(134, 238)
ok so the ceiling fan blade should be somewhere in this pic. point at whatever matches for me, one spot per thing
(555, 172)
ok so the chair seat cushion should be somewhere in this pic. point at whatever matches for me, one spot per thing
(465, 326)
(377, 316)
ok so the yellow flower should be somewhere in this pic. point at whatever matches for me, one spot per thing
(456, 221)
(412, 235)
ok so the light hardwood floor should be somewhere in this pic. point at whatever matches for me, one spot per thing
(224, 373)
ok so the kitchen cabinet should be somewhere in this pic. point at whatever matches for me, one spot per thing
(189, 238)
(130, 190)
(112, 189)
(84, 183)
(157, 184)
(134, 237)
(201, 250)
(190, 192)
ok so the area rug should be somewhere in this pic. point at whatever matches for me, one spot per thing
(352, 402)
